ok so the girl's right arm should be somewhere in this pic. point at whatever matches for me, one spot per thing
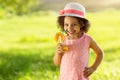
(58, 55)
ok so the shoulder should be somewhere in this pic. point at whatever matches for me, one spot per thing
(93, 43)
(91, 40)
(87, 37)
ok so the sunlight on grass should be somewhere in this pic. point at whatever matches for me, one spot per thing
(27, 46)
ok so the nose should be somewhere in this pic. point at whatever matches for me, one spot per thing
(70, 27)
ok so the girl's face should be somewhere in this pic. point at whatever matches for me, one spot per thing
(72, 27)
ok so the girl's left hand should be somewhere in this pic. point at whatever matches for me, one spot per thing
(88, 71)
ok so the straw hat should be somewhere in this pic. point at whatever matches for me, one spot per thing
(73, 9)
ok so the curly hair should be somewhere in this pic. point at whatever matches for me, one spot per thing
(83, 22)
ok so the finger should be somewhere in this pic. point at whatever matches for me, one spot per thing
(86, 67)
(86, 70)
(59, 46)
(87, 74)
(59, 49)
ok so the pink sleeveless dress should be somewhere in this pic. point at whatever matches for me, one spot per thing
(75, 59)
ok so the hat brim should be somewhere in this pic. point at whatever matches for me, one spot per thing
(73, 15)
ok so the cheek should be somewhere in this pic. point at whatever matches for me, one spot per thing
(65, 27)
(77, 28)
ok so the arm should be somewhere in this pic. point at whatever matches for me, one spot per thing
(99, 53)
(99, 56)
(57, 59)
(58, 55)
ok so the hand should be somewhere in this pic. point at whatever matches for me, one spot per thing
(88, 71)
(59, 49)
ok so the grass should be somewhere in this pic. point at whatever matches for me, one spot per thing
(27, 46)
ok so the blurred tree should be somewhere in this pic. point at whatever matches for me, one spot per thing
(19, 7)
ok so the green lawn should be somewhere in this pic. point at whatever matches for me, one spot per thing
(27, 46)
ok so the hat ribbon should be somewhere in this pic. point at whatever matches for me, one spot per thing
(71, 11)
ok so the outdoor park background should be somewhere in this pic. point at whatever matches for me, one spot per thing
(27, 46)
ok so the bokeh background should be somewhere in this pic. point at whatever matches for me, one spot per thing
(27, 46)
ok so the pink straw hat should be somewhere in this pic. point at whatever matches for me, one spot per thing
(73, 9)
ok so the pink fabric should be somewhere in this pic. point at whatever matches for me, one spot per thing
(75, 59)
(72, 12)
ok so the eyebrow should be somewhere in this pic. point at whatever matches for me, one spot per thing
(73, 22)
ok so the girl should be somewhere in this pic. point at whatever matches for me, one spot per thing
(74, 62)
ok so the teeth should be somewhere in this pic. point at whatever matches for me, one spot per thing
(71, 32)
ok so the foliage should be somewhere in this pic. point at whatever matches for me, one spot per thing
(18, 7)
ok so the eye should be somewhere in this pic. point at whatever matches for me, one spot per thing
(65, 24)
(74, 24)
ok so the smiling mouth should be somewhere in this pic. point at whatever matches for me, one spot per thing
(70, 32)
